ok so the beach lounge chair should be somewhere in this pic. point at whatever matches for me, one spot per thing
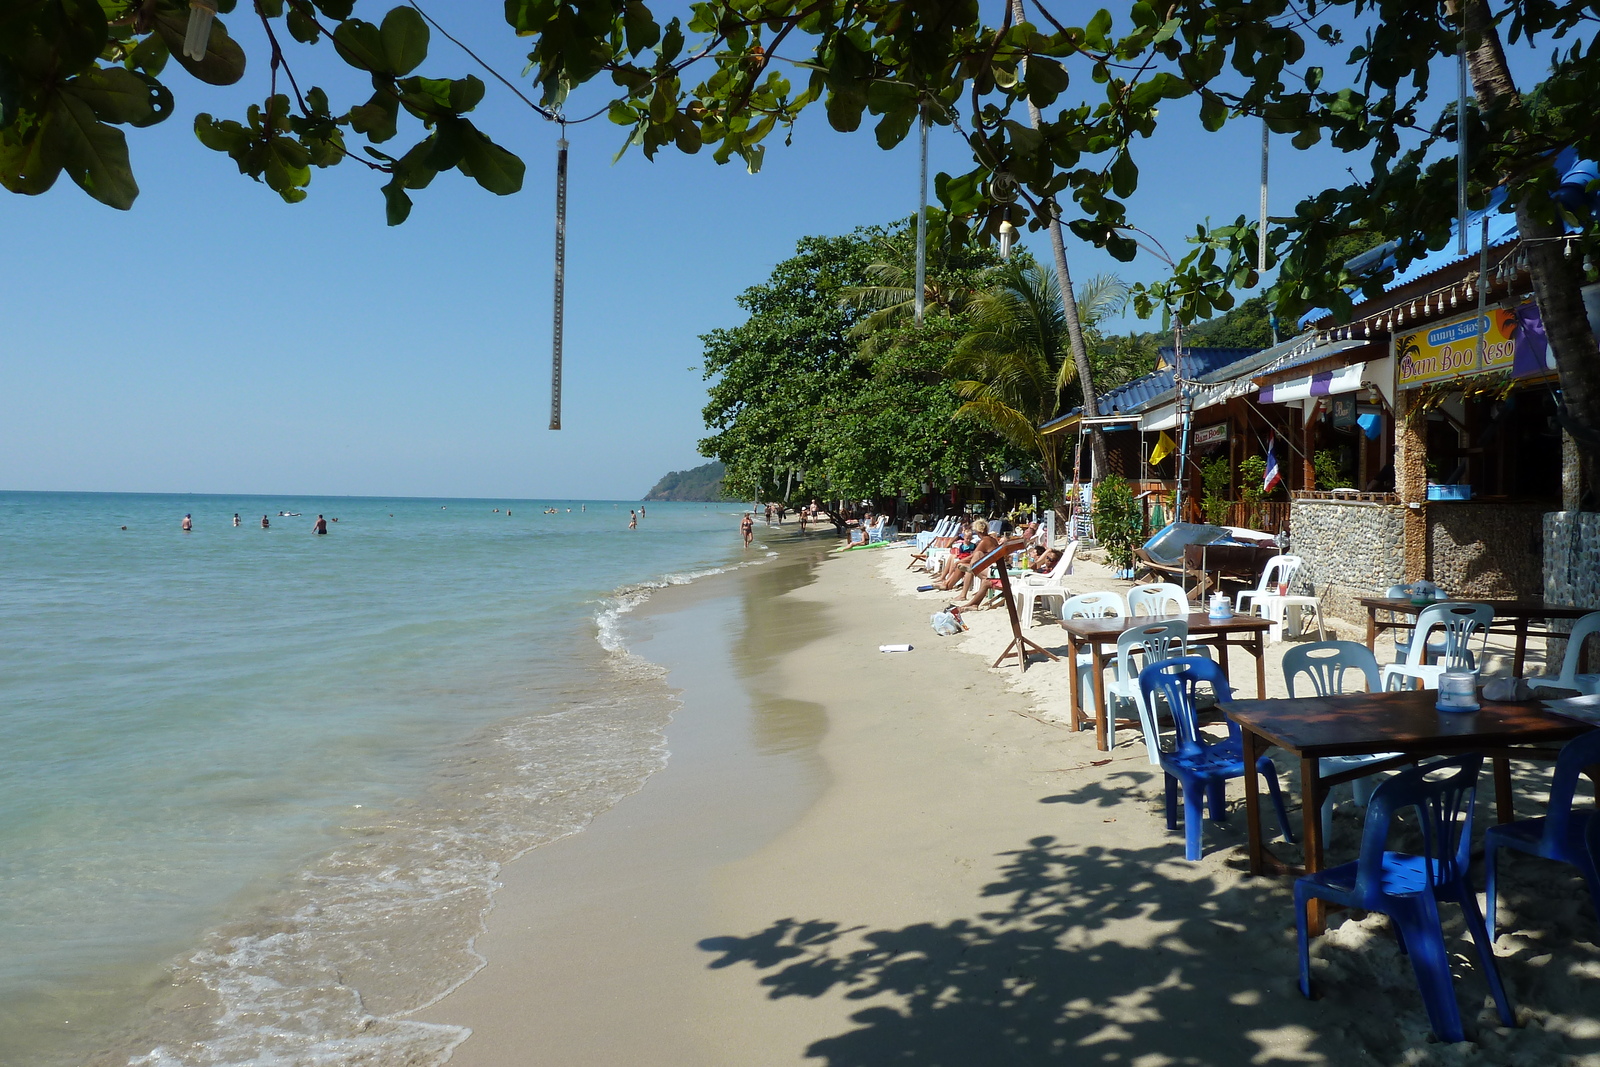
(1324, 665)
(1569, 678)
(1199, 768)
(1035, 587)
(939, 551)
(1409, 888)
(1459, 621)
(1558, 834)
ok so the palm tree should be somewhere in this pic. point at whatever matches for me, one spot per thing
(1015, 369)
(954, 270)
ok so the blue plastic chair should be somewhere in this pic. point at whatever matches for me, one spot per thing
(1556, 835)
(1409, 888)
(1201, 769)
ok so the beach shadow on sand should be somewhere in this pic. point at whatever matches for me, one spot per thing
(1103, 955)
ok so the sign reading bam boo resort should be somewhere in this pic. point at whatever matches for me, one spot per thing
(1450, 349)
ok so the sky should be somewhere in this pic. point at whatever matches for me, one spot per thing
(217, 340)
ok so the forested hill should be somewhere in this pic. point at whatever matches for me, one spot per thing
(702, 483)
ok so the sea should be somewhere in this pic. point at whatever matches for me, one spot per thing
(250, 777)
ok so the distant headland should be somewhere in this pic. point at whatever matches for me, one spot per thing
(701, 483)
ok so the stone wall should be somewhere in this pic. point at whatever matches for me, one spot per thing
(1487, 550)
(1572, 557)
(1351, 550)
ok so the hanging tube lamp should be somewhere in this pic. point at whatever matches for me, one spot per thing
(201, 12)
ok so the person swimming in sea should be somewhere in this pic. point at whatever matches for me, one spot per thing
(236, 518)
(264, 523)
(188, 523)
(321, 525)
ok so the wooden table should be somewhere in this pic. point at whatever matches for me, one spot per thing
(1519, 612)
(1098, 633)
(1362, 724)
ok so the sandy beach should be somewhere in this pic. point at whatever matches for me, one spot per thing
(858, 858)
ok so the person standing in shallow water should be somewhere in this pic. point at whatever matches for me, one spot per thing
(747, 527)
(633, 519)
(264, 523)
(188, 523)
(321, 525)
(236, 518)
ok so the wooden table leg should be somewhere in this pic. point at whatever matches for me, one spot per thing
(1311, 797)
(1522, 647)
(1502, 789)
(1252, 801)
(1073, 685)
(1098, 657)
(1260, 652)
(1372, 629)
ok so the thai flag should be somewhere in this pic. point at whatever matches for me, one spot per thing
(1274, 475)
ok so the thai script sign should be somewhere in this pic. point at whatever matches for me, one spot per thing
(1450, 349)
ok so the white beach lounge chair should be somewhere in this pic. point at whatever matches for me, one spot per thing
(1036, 587)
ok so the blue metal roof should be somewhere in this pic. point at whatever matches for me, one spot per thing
(1198, 362)
(1577, 189)
(1151, 390)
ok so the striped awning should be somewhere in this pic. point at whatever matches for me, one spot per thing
(1328, 383)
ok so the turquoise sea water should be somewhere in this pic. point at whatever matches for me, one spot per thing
(248, 777)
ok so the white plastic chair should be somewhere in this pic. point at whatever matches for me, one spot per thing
(1279, 569)
(1459, 621)
(1102, 605)
(1036, 587)
(1325, 664)
(1569, 678)
(1150, 644)
(1162, 598)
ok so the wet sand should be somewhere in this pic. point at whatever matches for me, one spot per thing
(857, 858)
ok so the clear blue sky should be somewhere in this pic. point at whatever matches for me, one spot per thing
(215, 339)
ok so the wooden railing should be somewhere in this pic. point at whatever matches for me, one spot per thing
(1268, 516)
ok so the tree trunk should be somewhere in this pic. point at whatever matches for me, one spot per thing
(1557, 280)
(1069, 310)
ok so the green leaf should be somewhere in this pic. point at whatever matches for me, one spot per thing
(376, 118)
(93, 154)
(270, 8)
(303, 28)
(224, 62)
(465, 93)
(894, 126)
(1124, 175)
(335, 9)
(396, 204)
(23, 168)
(225, 136)
(1095, 33)
(361, 45)
(488, 164)
(405, 40)
(639, 27)
(150, 54)
(117, 94)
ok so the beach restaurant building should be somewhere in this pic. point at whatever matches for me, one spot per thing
(1433, 413)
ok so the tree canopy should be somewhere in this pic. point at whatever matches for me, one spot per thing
(802, 406)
